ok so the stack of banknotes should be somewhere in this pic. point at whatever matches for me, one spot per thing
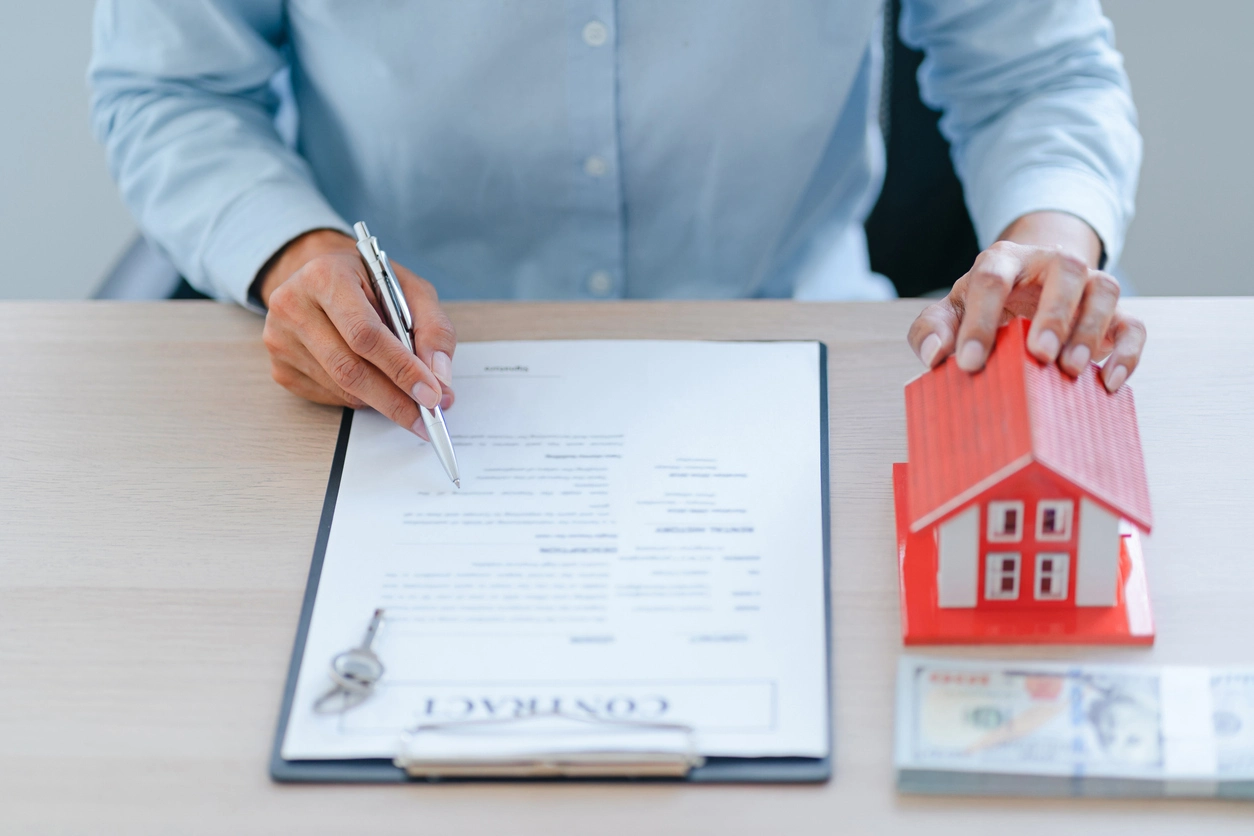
(1029, 728)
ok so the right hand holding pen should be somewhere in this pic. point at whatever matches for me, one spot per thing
(329, 344)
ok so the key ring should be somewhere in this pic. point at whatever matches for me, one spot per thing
(356, 671)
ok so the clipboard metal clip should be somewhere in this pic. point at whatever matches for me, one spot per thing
(549, 745)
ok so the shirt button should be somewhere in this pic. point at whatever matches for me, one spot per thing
(595, 166)
(600, 283)
(595, 33)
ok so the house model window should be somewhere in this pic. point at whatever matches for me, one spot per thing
(1051, 575)
(1001, 576)
(1005, 522)
(1053, 519)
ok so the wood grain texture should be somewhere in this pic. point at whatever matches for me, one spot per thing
(158, 502)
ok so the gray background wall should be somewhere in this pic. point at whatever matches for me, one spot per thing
(1191, 67)
(1190, 64)
(54, 187)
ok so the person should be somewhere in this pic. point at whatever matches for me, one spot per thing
(596, 149)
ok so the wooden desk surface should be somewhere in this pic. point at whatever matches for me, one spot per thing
(158, 502)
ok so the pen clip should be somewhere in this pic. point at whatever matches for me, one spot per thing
(398, 295)
(386, 285)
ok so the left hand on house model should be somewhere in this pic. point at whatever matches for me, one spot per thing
(1073, 306)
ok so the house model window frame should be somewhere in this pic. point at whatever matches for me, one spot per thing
(1059, 576)
(995, 572)
(997, 518)
(1064, 510)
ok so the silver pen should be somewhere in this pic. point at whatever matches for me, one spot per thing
(401, 321)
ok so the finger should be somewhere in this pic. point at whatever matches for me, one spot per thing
(983, 294)
(298, 383)
(288, 355)
(360, 378)
(299, 358)
(1096, 310)
(933, 331)
(1063, 281)
(365, 335)
(1128, 333)
(434, 337)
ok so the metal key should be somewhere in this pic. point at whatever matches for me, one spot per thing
(354, 673)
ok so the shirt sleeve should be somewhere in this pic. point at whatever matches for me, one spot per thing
(181, 98)
(1036, 106)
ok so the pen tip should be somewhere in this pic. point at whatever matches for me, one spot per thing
(458, 483)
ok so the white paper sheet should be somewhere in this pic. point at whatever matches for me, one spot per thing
(639, 535)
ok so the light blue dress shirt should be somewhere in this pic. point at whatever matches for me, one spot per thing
(574, 149)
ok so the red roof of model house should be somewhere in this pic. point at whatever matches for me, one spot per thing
(968, 432)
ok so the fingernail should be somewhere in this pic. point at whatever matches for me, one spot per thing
(1116, 378)
(1047, 345)
(420, 429)
(1079, 356)
(442, 365)
(971, 357)
(928, 350)
(426, 396)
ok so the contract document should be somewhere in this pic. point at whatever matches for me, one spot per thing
(640, 535)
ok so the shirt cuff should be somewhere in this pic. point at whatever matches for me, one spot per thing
(1054, 189)
(255, 228)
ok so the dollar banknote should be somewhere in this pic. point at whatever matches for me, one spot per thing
(1007, 728)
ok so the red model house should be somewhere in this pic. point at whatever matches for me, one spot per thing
(1018, 510)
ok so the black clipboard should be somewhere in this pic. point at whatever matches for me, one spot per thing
(384, 771)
